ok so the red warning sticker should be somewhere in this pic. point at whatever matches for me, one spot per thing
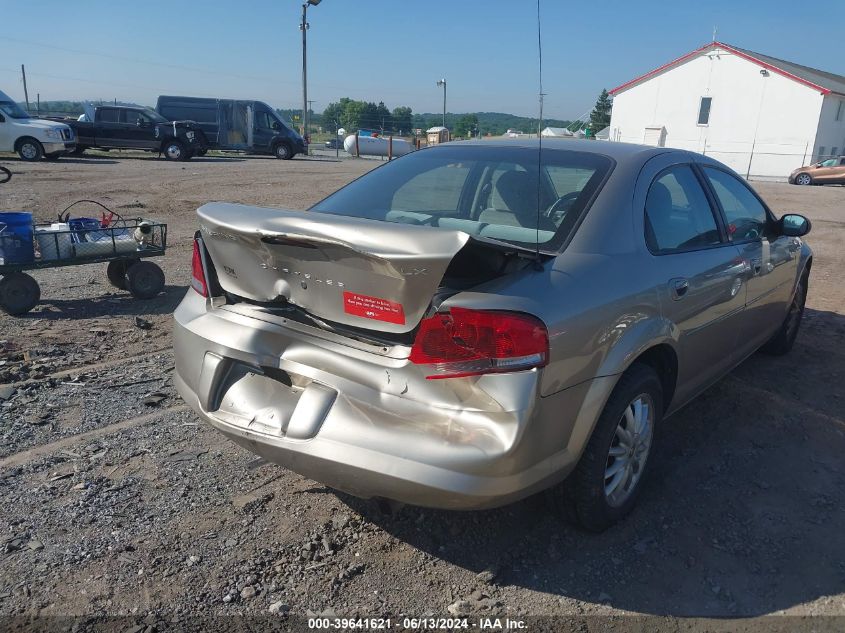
(373, 308)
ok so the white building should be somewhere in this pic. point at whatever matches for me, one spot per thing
(762, 116)
(555, 132)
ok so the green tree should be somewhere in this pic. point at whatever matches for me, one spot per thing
(600, 116)
(402, 117)
(333, 113)
(384, 120)
(354, 114)
(466, 125)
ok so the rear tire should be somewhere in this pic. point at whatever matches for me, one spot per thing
(781, 343)
(144, 280)
(19, 293)
(116, 272)
(803, 179)
(29, 149)
(605, 484)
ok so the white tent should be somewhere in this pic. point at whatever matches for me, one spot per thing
(604, 134)
(556, 132)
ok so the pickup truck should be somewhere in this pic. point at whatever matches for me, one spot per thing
(136, 127)
(32, 138)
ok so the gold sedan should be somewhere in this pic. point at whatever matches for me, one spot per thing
(828, 172)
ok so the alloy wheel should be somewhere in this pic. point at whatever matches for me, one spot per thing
(629, 450)
(29, 151)
(803, 179)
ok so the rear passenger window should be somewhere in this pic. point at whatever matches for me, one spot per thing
(108, 115)
(745, 214)
(678, 216)
(436, 191)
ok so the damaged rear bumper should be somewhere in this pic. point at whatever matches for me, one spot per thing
(347, 418)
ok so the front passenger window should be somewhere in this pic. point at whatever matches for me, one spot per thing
(133, 117)
(678, 216)
(746, 216)
(263, 121)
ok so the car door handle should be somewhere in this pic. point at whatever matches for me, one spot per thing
(679, 287)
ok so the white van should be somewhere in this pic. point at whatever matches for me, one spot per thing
(32, 138)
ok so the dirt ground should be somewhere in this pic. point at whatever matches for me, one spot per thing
(111, 506)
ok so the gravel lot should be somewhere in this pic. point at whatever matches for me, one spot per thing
(116, 501)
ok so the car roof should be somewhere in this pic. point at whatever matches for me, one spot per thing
(614, 149)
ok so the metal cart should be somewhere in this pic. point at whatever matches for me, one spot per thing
(125, 245)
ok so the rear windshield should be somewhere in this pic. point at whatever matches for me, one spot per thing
(492, 192)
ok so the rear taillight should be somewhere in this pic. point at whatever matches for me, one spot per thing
(463, 342)
(198, 281)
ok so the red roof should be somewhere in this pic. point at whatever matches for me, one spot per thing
(755, 58)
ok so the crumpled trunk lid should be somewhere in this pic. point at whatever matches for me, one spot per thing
(358, 272)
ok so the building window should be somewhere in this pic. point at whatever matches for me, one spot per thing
(822, 149)
(834, 152)
(840, 110)
(704, 110)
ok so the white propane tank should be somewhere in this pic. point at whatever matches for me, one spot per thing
(376, 146)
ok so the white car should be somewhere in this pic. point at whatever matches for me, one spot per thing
(33, 139)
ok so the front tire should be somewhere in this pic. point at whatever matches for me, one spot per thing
(282, 151)
(781, 343)
(605, 484)
(175, 151)
(30, 150)
(803, 179)
(19, 293)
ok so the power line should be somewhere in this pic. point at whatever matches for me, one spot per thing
(393, 95)
(135, 60)
(175, 67)
(156, 89)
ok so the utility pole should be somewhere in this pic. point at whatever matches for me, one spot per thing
(442, 82)
(25, 93)
(304, 28)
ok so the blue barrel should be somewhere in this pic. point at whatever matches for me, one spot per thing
(16, 237)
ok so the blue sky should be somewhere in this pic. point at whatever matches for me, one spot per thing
(393, 50)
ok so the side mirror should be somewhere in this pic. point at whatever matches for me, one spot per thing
(277, 126)
(794, 225)
(142, 123)
(2, 119)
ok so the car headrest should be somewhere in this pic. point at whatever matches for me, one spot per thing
(518, 190)
(659, 202)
